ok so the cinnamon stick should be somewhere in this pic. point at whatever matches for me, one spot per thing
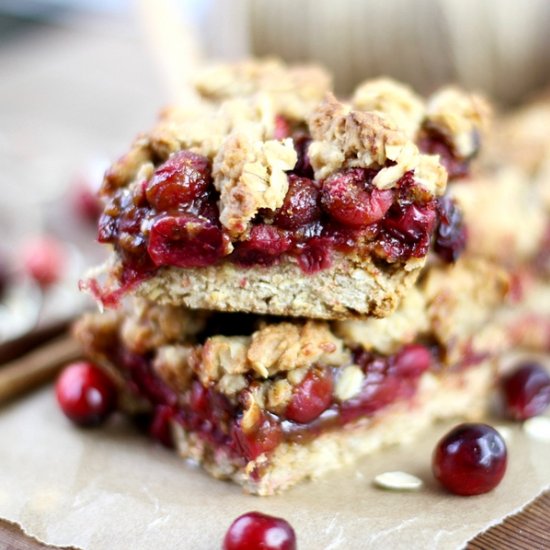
(37, 367)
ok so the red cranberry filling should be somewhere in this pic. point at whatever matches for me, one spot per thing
(450, 235)
(313, 407)
(311, 397)
(350, 198)
(185, 240)
(434, 143)
(256, 531)
(301, 204)
(173, 219)
(470, 460)
(183, 178)
(160, 426)
(264, 247)
(412, 360)
(315, 254)
(407, 229)
(303, 165)
(526, 391)
(264, 438)
(386, 379)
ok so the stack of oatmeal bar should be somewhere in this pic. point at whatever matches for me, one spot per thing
(298, 280)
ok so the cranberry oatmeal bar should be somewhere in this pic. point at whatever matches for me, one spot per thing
(281, 400)
(305, 288)
(271, 196)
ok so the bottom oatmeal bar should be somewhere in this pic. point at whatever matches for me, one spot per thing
(280, 401)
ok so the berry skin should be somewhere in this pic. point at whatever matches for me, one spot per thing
(412, 360)
(470, 460)
(526, 391)
(300, 205)
(183, 178)
(264, 438)
(265, 246)
(311, 397)
(159, 428)
(257, 531)
(350, 198)
(185, 240)
(86, 395)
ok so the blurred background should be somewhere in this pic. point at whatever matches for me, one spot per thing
(79, 78)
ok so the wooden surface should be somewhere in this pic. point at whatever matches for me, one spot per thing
(43, 80)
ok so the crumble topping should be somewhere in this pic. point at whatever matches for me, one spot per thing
(250, 175)
(460, 117)
(287, 346)
(514, 220)
(349, 382)
(150, 326)
(523, 138)
(270, 350)
(388, 334)
(462, 297)
(394, 100)
(345, 138)
(293, 90)
(125, 169)
(171, 363)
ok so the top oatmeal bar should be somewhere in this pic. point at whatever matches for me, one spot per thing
(269, 195)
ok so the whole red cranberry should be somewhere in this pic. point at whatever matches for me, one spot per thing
(185, 240)
(300, 205)
(183, 178)
(264, 246)
(526, 391)
(257, 531)
(407, 230)
(264, 438)
(349, 197)
(86, 394)
(470, 460)
(315, 255)
(311, 397)
(44, 260)
(412, 360)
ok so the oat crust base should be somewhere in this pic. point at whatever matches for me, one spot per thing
(349, 289)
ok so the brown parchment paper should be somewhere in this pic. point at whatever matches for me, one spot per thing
(112, 489)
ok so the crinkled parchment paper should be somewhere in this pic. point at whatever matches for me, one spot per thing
(112, 489)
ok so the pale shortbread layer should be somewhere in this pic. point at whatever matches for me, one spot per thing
(350, 288)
